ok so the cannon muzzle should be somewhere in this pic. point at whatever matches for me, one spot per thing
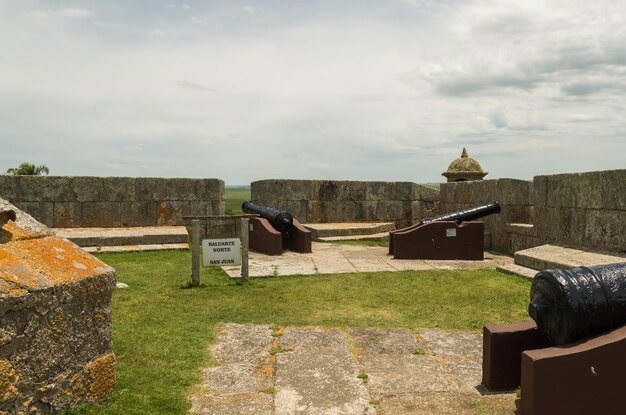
(281, 221)
(467, 215)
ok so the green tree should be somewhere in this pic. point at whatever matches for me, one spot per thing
(29, 169)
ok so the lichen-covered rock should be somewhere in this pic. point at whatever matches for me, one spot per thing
(55, 320)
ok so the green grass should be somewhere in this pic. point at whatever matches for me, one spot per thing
(234, 197)
(161, 331)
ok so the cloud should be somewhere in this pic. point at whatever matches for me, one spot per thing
(193, 85)
(74, 13)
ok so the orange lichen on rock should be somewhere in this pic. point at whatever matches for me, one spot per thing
(8, 380)
(19, 233)
(95, 380)
(38, 263)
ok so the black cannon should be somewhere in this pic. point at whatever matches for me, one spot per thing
(280, 220)
(466, 215)
(450, 236)
(570, 304)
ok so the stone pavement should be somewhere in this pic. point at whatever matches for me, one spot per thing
(264, 370)
(329, 258)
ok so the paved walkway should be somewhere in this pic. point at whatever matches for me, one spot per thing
(336, 258)
(265, 370)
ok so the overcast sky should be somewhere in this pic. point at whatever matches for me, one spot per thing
(312, 89)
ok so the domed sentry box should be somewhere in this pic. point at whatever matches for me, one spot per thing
(572, 358)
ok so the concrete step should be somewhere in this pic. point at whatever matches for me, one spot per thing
(514, 269)
(136, 248)
(383, 236)
(323, 230)
(148, 235)
(554, 257)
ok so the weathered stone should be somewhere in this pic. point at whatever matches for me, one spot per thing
(44, 188)
(171, 213)
(513, 192)
(268, 190)
(67, 215)
(53, 296)
(9, 188)
(41, 211)
(138, 213)
(560, 191)
(540, 191)
(613, 187)
(606, 229)
(101, 214)
(116, 189)
(587, 190)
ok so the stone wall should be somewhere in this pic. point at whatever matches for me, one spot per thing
(586, 210)
(582, 209)
(55, 320)
(70, 202)
(514, 197)
(319, 201)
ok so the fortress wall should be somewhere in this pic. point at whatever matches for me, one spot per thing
(514, 197)
(582, 209)
(320, 201)
(82, 201)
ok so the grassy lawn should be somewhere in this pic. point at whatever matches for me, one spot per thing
(161, 331)
(234, 197)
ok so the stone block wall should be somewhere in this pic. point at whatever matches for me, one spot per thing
(514, 197)
(320, 201)
(55, 320)
(70, 202)
(582, 209)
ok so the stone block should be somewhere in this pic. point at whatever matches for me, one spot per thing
(200, 208)
(41, 211)
(101, 214)
(560, 192)
(426, 194)
(116, 189)
(138, 213)
(171, 212)
(299, 190)
(297, 209)
(613, 188)
(46, 188)
(9, 189)
(513, 192)
(67, 215)
(176, 189)
(334, 190)
(540, 190)
(392, 211)
(606, 229)
(587, 190)
(145, 189)
(403, 191)
(268, 189)
(331, 211)
(215, 187)
(88, 189)
(378, 191)
(218, 207)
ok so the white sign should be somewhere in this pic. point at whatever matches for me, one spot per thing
(451, 232)
(219, 252)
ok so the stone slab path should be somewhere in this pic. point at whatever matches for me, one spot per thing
(337, 258)
(265, 370)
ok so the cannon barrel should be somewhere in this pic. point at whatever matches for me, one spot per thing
(280, 220)
(570, 304)
(466, 215)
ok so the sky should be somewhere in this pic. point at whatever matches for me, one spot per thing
(388, 90)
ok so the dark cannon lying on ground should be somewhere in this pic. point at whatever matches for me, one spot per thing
(570, 359)
(275, 230)
(451, 236)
